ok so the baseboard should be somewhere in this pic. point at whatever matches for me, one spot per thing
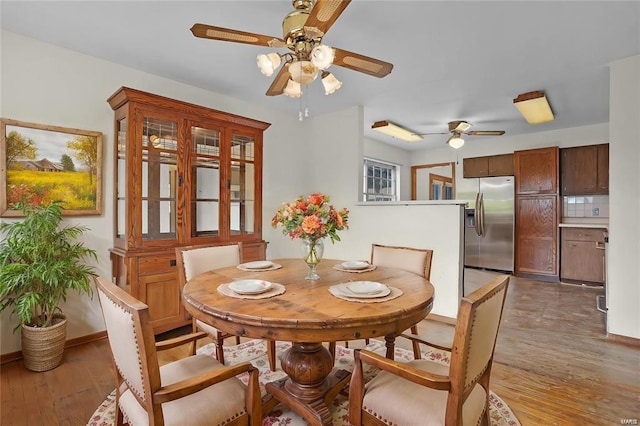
(15, 356)
(538, 277)
(632, 341)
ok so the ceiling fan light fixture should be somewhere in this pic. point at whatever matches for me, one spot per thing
(396, 131)
(456, 142)
(534, 107)
(268, 63)
(293, 89)
(303, 72)
(322, 56)
(330, 83)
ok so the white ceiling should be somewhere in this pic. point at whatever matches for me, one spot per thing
(452, 60)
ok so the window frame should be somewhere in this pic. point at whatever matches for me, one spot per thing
(392, 168)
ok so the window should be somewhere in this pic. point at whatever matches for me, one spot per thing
(381, 181)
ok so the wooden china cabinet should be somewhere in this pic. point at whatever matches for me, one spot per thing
(184, 175)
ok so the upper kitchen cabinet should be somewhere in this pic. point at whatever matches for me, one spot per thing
(536, 171)
(585, 170)
(184, 175)
(493, 165)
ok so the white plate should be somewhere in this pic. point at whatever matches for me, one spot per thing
(343, 290)
(365, 287)
(250, 286)
(258, 264)
(355, 265)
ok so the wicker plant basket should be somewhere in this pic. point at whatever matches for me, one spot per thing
(42, 348)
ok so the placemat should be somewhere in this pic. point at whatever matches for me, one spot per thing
(355, 271)
(273, 267)
(395, 292)
(275, 290)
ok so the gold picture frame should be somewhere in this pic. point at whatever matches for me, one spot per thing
(41, 163)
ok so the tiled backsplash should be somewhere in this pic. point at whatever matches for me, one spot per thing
(586, 206)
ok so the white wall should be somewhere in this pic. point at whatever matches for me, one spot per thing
(44, 84)
(623, 277)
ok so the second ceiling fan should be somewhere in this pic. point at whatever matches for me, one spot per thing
(460, 127)
(302, 32)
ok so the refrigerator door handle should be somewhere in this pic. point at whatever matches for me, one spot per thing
(476, 215)
(481, 214)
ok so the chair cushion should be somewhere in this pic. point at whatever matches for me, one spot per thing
(214, 405)
(400, 402)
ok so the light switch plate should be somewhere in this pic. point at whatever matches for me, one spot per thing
(596, 211)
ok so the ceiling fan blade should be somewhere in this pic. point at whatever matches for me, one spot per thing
(225, 34)
(435, 133)
(361, 63)
(325, 12)
(279, 82)
(486, 133)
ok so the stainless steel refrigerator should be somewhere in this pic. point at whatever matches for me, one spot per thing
(489, 219)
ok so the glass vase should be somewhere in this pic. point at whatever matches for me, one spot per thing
(312, 250)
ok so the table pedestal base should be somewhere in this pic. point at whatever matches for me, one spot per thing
(310, 385)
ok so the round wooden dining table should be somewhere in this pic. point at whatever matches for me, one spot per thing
(308, 314)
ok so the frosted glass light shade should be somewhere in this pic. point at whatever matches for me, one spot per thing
(303, 72)
(455, 142)
(330, 83)
(293, 89)
(322, 56)
(268, 63)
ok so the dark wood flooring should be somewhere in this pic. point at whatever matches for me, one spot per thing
(553, 366)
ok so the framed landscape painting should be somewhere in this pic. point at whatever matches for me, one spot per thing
(40, 164)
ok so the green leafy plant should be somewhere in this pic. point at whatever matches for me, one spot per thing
(39, 262)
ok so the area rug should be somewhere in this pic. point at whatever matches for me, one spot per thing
(255, 351)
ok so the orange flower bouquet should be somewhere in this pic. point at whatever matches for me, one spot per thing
(311, 219)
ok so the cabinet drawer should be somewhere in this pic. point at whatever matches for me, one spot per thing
(157, 265)
(583, 234)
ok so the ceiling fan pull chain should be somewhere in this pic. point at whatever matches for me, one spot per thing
(306, 104)
(300, 115)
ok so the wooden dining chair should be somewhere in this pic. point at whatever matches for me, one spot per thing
(415, 260)
(196, 390)
(430, 393)
(439, 334)
(195, 260)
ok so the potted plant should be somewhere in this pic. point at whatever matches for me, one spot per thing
(39, 262)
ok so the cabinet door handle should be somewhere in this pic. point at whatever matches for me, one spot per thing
(599, 245)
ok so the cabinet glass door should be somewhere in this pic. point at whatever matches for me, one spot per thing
(243, 185)
(205, 182)
(121, 170)
(159, 178)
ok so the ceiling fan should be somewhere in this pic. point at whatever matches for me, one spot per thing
(460, 127)
(302, 32)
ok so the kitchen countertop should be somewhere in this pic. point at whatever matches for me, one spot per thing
(597, 225)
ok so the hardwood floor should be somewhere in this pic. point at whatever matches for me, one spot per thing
(553, 366)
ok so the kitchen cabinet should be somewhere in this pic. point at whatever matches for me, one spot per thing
(603, 168)
(585, 170)
(583, 256)
(184, 175)
(536, 171)
(537, 214)
(493, 165)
